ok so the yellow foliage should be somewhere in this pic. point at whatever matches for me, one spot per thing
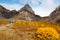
(44, 27)
(36, 24)
(20, 23)
(17, 23)
(2, 22)
(47, 33)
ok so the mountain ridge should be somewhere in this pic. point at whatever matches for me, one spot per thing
(26, 13)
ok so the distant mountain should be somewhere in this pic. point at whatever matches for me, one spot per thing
(26, 13)
(5, 13)
(55, 15)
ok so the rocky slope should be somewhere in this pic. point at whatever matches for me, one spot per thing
(2, 12)
(55, 15)
(5, 13)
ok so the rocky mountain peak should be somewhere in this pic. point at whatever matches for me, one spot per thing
(27, 8)
(26, 13)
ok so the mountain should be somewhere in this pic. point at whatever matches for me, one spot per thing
(26, 13)
(2, 12)
(6, 14)
(55, 15)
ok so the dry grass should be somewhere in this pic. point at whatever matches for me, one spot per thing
(22, 30)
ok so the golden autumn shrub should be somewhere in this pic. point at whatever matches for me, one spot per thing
(3, 22)
(47, 33)
(17, 23)
(36, 24)
(20, 23)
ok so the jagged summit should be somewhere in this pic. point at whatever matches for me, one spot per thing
(27, 8)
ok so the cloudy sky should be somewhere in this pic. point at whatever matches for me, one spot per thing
(41, 7)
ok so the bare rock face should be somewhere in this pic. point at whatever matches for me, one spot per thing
(26, 13)
(10, 14)
(55, 15)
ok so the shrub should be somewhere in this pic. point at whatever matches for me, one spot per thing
(3, 22)
(17, 23)
(20, 23)
(47, 33)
